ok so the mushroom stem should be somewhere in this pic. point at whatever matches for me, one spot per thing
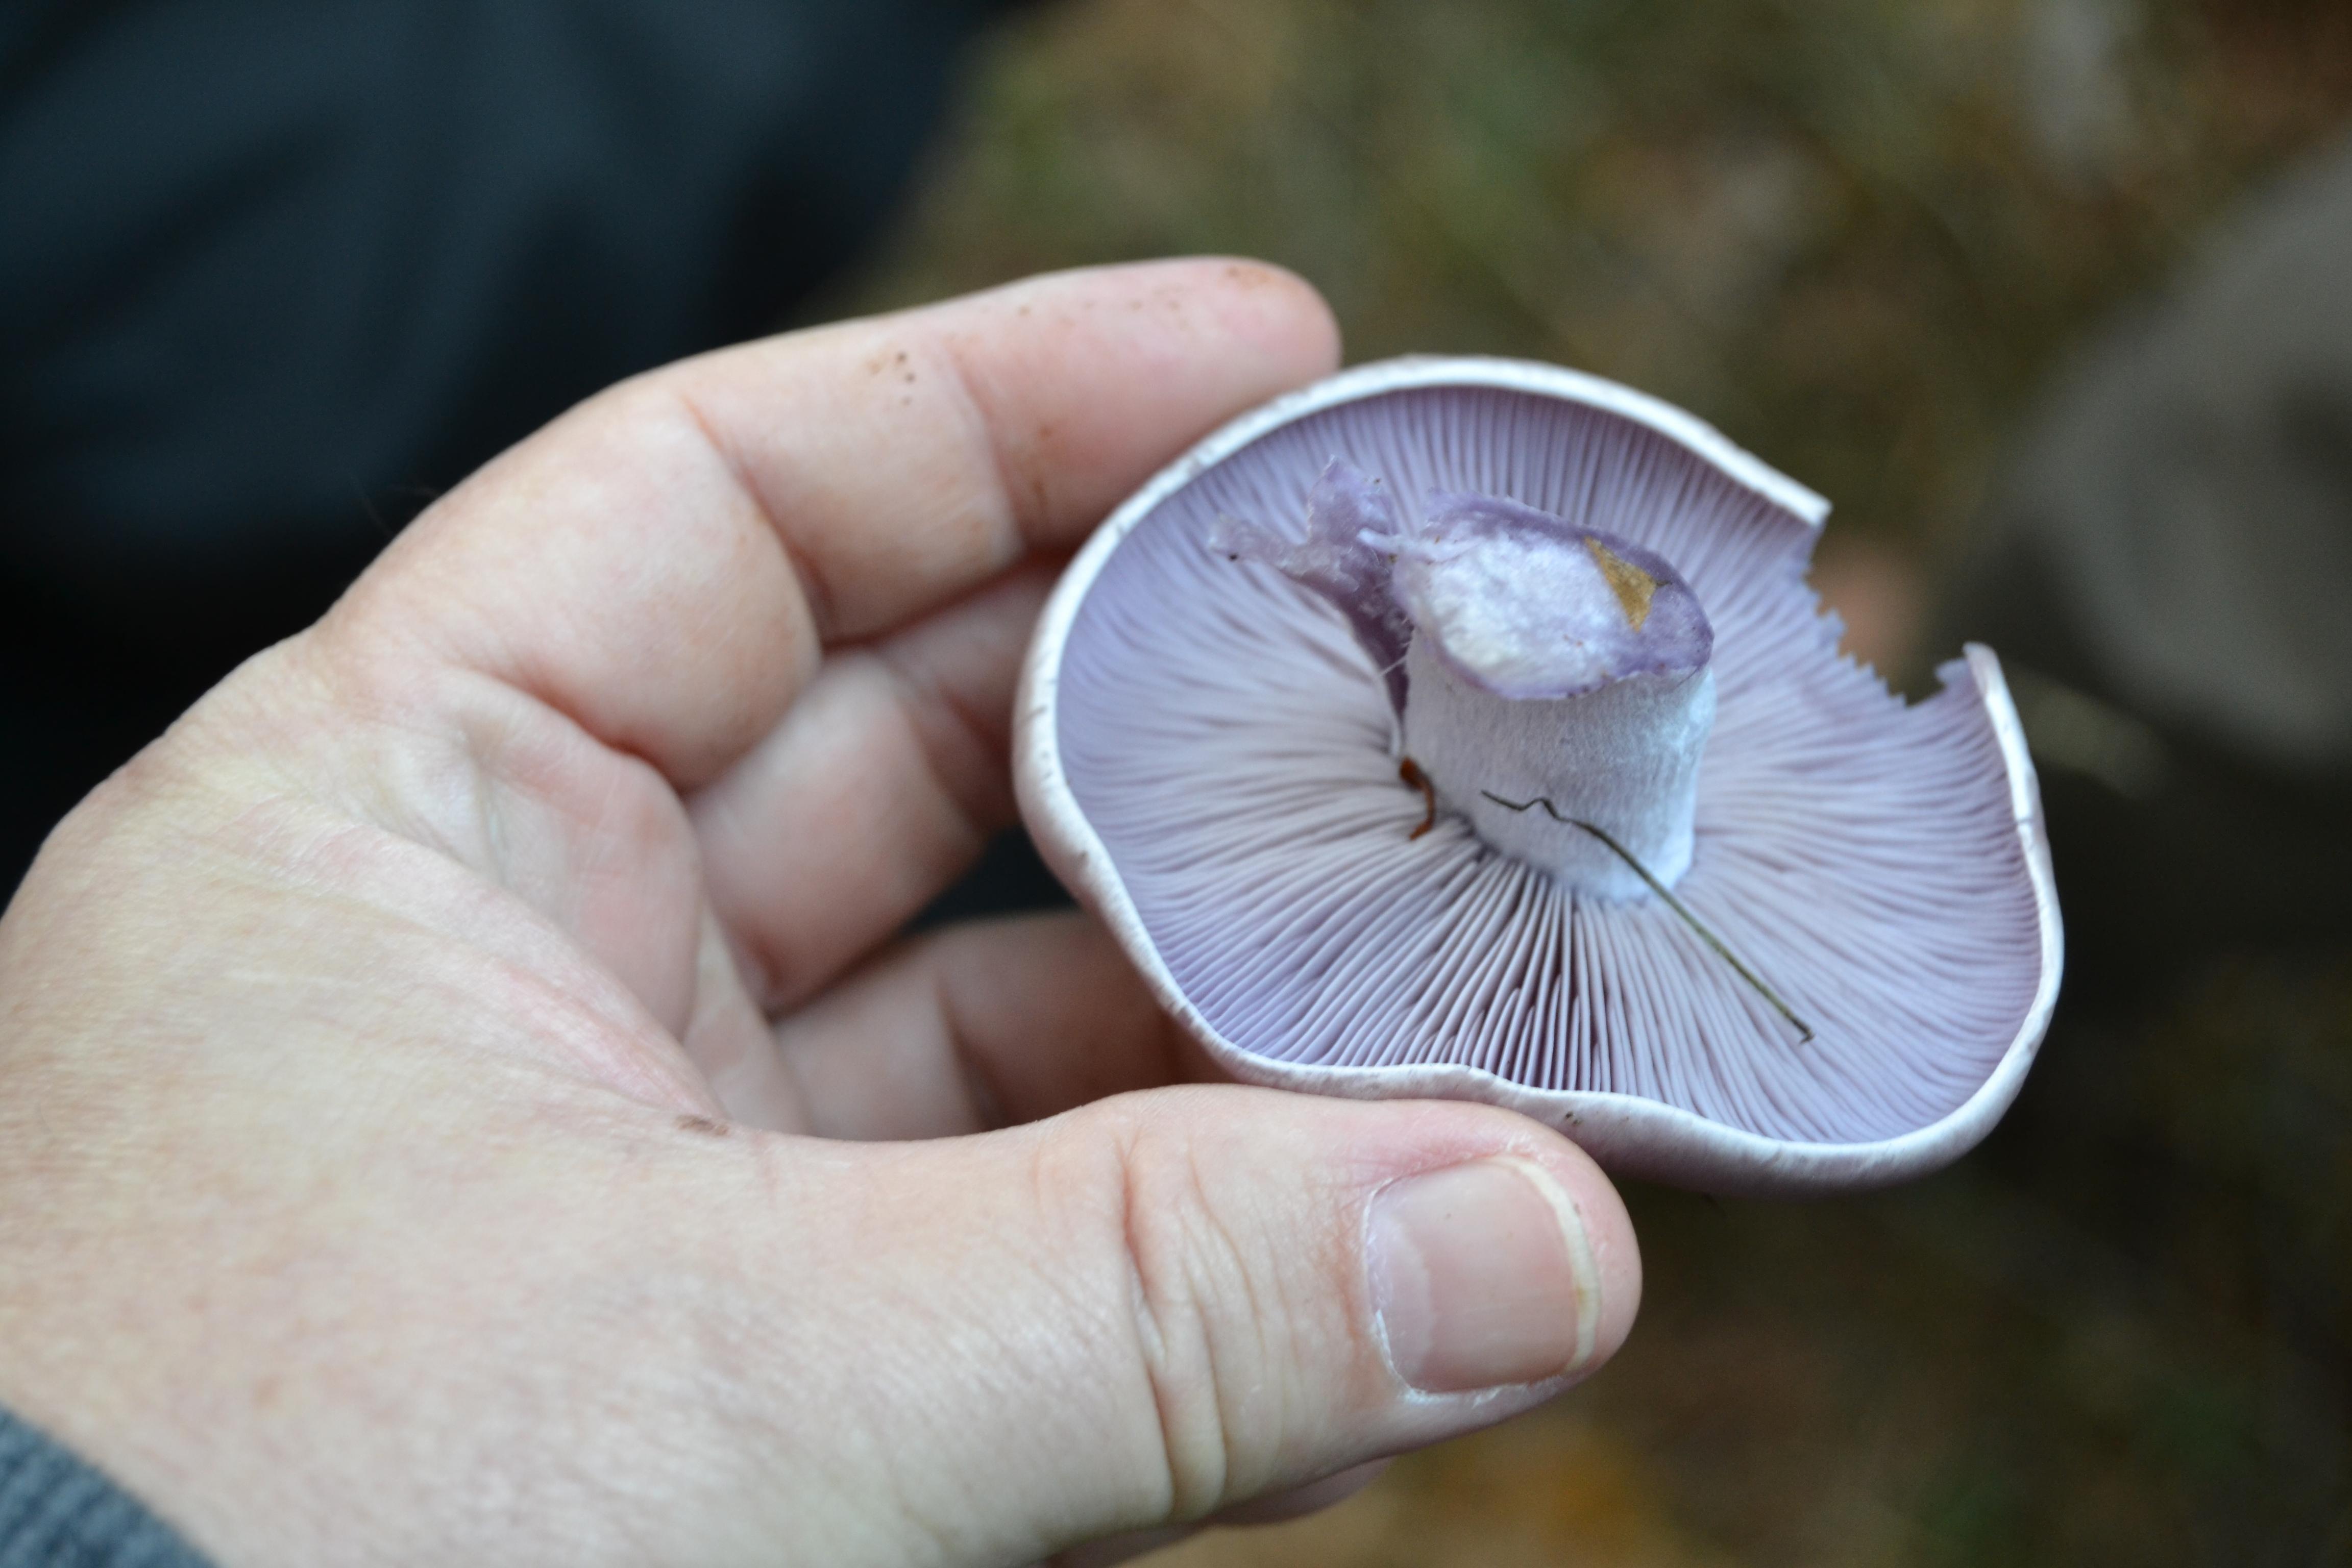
(1624, 758)
(1524, 656)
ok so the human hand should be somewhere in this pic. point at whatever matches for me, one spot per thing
(458, 1102)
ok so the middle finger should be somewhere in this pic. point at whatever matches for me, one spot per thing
(879, 788)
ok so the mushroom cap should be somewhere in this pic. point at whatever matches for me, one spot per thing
(1204, 755)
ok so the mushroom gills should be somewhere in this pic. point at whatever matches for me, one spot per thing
(1527, 660)
(1247, 775)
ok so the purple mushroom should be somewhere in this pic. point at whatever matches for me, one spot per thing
(1464, 727)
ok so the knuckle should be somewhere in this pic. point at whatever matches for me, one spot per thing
(1213, 1319)
(1179, 1267)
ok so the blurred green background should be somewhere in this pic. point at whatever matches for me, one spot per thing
(1860, 236)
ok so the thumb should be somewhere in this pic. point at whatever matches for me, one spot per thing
(1167, 1303)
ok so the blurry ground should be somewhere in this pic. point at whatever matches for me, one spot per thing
(1857, 234)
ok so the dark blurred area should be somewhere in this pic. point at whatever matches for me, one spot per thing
(2054, 298)
(273, 275)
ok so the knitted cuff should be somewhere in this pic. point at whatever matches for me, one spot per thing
(58, 1512)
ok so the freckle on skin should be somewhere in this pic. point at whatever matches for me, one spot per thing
(702, 1124)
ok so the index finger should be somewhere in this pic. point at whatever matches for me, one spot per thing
(666, 563)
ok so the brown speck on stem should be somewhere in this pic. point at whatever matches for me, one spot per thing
(705, 1125)
(1410, 771)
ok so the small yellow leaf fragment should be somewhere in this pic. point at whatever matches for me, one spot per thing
(1632, 587)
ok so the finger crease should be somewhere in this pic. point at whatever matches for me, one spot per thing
(943, 723)
(1024, 501)
(816, 592)
(980, 1086)
(1152, 1340)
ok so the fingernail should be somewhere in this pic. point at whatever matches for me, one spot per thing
(1483, 1276)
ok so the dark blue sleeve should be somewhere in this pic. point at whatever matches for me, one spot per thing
(273, 273)
(58, 1512)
